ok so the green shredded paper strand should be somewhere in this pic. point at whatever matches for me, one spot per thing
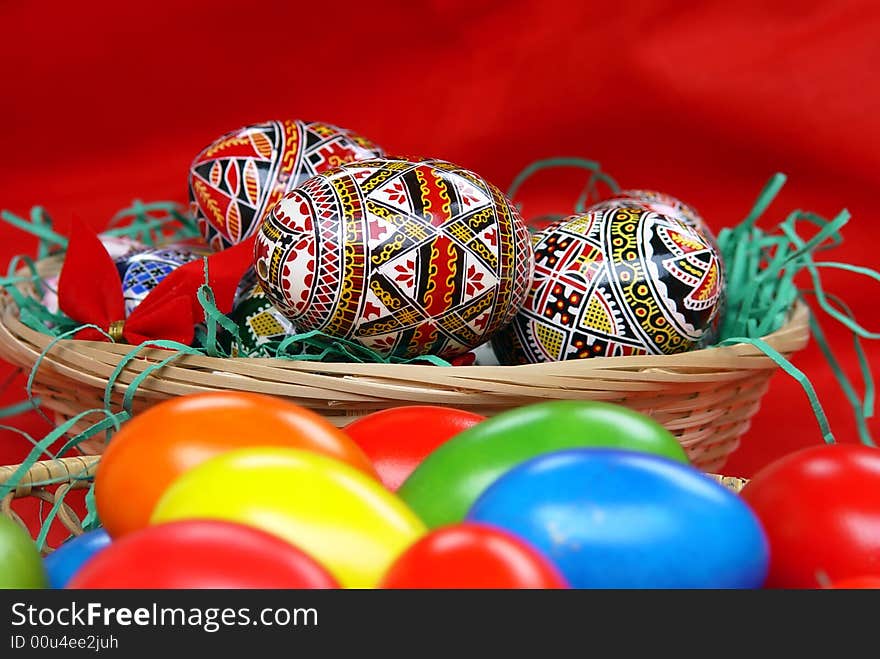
(761, 268)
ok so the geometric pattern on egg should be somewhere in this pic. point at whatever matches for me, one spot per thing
(405, 257)
(620, 280)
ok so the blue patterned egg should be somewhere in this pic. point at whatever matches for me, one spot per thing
(623, 280)
(142, 270)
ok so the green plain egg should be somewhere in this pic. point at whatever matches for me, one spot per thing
(21, 565)
(442, 489)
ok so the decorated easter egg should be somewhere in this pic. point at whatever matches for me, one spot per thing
(618, 281)
(659, 202)
(238, 177)
(141, 271)
(261, 326)
(670, 206)
(405, 257)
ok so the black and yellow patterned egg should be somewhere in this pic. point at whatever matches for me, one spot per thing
(616, 281)
(659, 202)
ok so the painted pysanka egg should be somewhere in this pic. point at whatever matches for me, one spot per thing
(142, 270)
(238, 177)
(406, 257)
(670, 206)
(659, 202)
(612, 282)
(261, 326)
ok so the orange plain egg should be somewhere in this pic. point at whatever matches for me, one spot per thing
(158, 445)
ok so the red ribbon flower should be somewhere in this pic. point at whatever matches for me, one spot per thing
(90, 292)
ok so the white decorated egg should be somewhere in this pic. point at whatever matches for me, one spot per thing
(405, 257)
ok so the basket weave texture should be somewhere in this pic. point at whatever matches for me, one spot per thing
(704, 397)
(49, 481)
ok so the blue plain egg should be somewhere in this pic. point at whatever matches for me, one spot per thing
(65, 561)
(622, 519)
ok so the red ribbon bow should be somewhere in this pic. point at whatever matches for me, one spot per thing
(90, 291)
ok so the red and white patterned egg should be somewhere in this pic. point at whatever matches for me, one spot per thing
(405, 257)
(239, 176)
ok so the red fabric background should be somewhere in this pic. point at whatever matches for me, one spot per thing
(702, 100)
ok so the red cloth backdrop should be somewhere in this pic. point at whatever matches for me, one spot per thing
(106, 102)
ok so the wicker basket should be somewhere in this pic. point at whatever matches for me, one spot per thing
(49, 481)
(705, 397)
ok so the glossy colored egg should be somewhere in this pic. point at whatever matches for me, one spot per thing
(397, 440)
(613, 282)
(142, 270)
(201, 554)
(407, 258)
(472, 556)
(20, 563)
(621, 519)
(159, 444)
(867, 582)
(342, 518)
(821, 509)
(446, 484)
(63, 563)
(242, 174)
